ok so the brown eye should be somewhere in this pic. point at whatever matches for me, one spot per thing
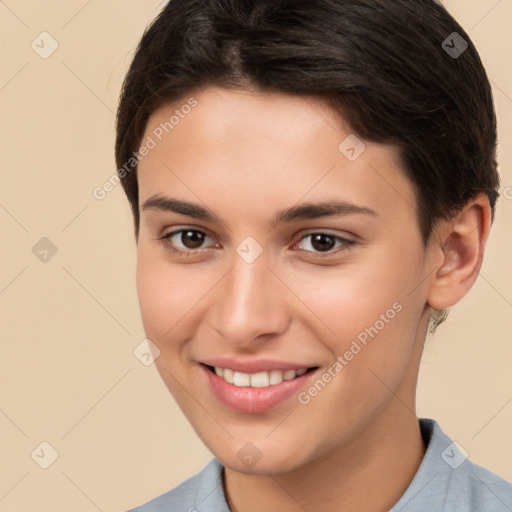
(184, 241)
(192, 239)
(323, 243)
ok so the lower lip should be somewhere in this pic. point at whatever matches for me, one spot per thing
(254, 400)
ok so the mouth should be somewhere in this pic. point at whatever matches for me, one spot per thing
(261, 379)
(255, 392)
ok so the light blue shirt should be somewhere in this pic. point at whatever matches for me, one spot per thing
(446, 481)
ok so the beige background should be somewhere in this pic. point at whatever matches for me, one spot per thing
(69, 325)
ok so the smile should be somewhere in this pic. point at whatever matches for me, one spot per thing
(257, 380)
(255, 392)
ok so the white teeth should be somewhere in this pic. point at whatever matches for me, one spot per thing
(228, 375)
(289, 375)
(257, 380)
(275, 377)
(241, 379)
(260, 380)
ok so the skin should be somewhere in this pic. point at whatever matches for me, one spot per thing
(245, 156)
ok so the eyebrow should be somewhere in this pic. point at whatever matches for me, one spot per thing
(295, 213)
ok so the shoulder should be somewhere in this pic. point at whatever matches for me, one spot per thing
(483, 489)
(203, 491)
(447, 480)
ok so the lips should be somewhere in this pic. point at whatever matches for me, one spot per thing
(244, 394)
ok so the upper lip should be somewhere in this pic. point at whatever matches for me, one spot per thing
(254, 365)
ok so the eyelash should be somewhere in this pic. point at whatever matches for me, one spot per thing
(346, 244)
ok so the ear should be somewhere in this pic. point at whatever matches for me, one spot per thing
(458, 248)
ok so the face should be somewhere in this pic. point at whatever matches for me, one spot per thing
(268, 243)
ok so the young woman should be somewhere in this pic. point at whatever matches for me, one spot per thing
(312, 184)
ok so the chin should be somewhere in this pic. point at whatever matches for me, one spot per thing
(260, 459)
(272, 465)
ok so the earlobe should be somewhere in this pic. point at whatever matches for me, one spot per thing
(461, 243)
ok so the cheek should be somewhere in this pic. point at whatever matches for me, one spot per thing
(367, 315)
(371, 352)
(368, 325)
(165, 296)
(348, 300)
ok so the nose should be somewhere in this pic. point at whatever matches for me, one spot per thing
(249, 305)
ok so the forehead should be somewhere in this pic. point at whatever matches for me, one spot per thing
(266, 148)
